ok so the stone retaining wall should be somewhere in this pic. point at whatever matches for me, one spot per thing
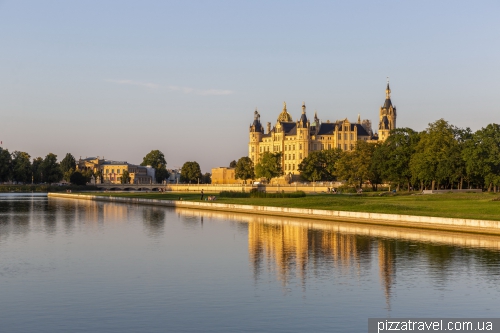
(426, 222)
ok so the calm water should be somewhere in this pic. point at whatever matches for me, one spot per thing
(79, 266)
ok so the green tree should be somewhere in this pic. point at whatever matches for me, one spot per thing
(67, 164)
(320, 165)
(156, 159)
(125, 179)
(21, 167)
(430, 164)
(355, 166)
(36, 170)
(5, 165)
(77, 178)
(51, 171)
(481, 155)
(391, 159)
(312, 167)
(244, 168)
(232, 164)
(206, 178)
(269, 166)
(190, 172)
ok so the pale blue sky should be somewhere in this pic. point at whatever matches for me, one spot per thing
(120, 78)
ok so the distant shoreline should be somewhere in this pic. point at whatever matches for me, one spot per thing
(396, 220)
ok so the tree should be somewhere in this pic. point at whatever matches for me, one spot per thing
(21, 167)
(5, 165)
(156, 159)
(125, 179)
(232, 164)
(269, 166)
(391, 159)
(77, 178)
(67, 164)
(431, 161)
(51, 171)
(206, 178)
(355, 166)
(481, 155)
(190, 172)
(320, 165)
(244, 168)
(36, 170)
(312, 167)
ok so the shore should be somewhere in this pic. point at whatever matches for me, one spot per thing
(411, 221)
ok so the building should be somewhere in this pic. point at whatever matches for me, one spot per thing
(223, 175)
(296, 139)
(112, 171)
(174, 176)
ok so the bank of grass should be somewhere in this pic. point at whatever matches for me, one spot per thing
(481, 206)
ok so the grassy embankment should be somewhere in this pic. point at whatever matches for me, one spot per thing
(483, 206)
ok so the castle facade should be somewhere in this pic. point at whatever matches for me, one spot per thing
(296, 139)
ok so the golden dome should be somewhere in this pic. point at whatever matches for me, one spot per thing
(284, 115)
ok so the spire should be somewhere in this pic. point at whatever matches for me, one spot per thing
(359, 118)
(303, 107)
(387, 90)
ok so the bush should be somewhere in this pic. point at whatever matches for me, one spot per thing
(234, 194)
(258, 194)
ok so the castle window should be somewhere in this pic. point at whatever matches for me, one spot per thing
(300, 156)
(300, 146)
(252, 149)
(293, 156)
(285, 156)
(118, 171)
(345, 136)
(340, 136)
(352, 136)
(285, 147)
(352, 146)
(345, 146)
(322, 147)
(346, 128)
(293, 147)
(260, 149)
(329, 146)
(314, 146)
(340, 146)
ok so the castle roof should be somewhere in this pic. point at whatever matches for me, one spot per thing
(289, 128)
(329, 128)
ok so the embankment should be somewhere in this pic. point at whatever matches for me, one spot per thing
(422, 222)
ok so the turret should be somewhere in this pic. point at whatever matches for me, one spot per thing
(387, 115)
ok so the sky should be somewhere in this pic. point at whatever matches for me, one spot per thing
(117, 79)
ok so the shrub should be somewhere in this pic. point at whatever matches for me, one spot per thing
(259, 194)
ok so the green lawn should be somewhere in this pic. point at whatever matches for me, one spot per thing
(463, 205)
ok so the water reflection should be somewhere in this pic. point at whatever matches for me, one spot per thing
(305, 249)
(154, 220)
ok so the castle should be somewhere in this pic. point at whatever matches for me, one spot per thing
(295, 139)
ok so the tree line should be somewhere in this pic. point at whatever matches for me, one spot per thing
(19, 168)
(441, 156)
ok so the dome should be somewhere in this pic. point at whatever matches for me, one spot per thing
(284, 115)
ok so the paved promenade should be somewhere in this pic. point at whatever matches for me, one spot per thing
(422, 222)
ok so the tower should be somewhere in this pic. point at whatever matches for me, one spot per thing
(256, 133)
(387, 116)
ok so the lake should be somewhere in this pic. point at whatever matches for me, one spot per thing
(85, 266)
